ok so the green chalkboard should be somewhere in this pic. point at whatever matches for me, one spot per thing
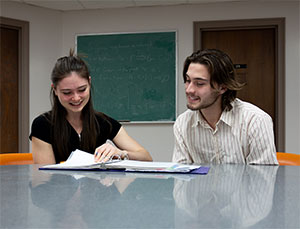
(133, 74)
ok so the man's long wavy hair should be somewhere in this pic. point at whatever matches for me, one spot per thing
(61, 130)
(221, 70)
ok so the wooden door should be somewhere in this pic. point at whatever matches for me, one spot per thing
(253, 53)
(9, 124)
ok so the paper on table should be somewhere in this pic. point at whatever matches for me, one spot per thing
(79, 157)
(82, 160)
(132, 165)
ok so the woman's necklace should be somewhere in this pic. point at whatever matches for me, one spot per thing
(77, 127)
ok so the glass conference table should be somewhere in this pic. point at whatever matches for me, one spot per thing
(229, 196)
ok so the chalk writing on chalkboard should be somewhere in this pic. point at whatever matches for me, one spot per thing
(133, 74)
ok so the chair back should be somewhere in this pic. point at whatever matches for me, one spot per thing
(16, 159)
(288, 158)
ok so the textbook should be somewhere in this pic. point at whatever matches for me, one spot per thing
(80, 160)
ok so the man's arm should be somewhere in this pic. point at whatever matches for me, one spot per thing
(180, 153)
(261, 141)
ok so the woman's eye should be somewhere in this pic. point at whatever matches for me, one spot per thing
(66, 93)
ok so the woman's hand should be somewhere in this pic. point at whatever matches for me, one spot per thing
(107, 151)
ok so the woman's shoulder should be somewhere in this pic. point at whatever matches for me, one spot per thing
(41, 127)
(101, 117)
(43, 119)
(105, 121)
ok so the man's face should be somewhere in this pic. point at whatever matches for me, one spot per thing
(199, 93)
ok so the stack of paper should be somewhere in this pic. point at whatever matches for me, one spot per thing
(80, 160)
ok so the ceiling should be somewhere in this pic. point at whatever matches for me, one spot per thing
(67, 5)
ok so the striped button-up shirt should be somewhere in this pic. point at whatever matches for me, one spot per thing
(242, 135)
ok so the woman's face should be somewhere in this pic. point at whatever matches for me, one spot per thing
(73, 92)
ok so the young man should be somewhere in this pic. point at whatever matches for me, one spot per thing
(218, 127)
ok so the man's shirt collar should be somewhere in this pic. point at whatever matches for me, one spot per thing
(227, 117)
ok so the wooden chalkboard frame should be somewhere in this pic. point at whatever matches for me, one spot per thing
(172, 93)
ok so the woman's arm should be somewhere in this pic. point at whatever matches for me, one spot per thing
(42, 152)
(125, 145)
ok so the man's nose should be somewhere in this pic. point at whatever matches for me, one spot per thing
(189, 88)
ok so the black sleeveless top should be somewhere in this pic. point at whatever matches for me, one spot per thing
(41, 129)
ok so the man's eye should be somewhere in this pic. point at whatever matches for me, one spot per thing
(199, 84)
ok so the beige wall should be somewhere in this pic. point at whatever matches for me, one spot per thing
(52, 34)
(45, 44)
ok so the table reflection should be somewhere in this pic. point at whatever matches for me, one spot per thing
(85, 199)
(230, 196)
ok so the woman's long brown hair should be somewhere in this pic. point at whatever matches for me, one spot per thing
(60, 128)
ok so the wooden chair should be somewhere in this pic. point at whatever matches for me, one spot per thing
(288, 158)
(16, 159)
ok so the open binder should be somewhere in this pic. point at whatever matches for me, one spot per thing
(80, 160)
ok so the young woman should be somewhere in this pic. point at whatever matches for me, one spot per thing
(74, 124)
